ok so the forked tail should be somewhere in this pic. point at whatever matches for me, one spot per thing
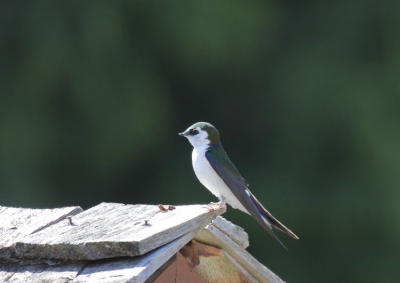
(278, 225)
(268, 221)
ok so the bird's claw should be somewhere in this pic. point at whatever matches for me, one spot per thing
(215, 206)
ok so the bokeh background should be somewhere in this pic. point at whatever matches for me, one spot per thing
(305, 95)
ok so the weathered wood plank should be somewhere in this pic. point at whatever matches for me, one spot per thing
(236, 233)
(18, 223)
(40, 273)
(215, 237)
(133, 270)
(113, 230)
(247, 274)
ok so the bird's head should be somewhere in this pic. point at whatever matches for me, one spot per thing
(201, 133)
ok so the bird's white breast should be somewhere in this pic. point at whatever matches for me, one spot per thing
(210, 179)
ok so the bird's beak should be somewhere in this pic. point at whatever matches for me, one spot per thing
(184, 134)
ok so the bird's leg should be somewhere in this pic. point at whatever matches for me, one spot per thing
(215, 206)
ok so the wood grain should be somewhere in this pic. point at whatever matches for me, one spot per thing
(113, 230)
(215, 237)
(19, 223)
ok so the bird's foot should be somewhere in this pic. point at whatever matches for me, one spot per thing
(215, 206)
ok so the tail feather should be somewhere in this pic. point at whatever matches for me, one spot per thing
(278, 225)
(268, 227)
(271, 219)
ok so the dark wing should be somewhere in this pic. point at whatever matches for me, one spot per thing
(232, 178)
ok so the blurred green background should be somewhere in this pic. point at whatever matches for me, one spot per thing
(304, 94)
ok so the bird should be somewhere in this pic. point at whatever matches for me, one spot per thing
(219, 175)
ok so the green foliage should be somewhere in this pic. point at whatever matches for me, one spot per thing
(305, 96)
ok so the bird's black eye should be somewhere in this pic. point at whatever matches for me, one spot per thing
(193, 132)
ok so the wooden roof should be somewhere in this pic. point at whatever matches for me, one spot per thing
(114, 242)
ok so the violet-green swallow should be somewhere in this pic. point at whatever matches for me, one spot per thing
(219, 175)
